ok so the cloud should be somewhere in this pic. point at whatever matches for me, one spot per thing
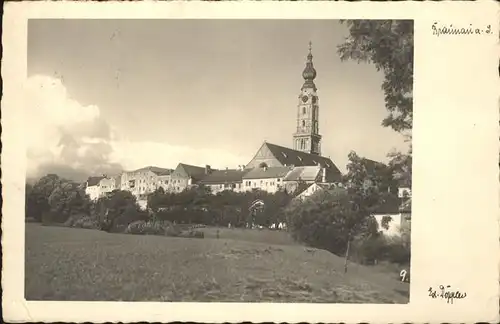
(63, 136)
(74, 141)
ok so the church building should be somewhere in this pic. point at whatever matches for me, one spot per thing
(306, 139)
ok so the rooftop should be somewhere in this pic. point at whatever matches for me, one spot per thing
(224, 176)
(267, 172)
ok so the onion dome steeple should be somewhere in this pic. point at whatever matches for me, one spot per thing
(309, 73)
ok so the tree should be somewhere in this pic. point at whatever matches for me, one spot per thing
(362, 172)
(119, 208)
(56, 198)
(388, 44)
(331, 220)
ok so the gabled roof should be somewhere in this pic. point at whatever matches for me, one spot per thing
(195, 172)
(161, 171)
(156, 170)
(223, 176)
(267, 173)
(305, 173)
(94, 181)
(288, 157)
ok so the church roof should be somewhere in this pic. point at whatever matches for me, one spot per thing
(267, 173)
(287, 157)
(224, 176)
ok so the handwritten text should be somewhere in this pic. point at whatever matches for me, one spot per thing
(451, 29)
(444, 293)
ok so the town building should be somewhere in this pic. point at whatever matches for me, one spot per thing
(265, 178)
(309, 175)
(146, 180)
(397, 211)
(315, 188)
(185, 175)
(97, 187)
(221, 180)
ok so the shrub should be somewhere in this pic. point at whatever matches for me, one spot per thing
(142, 227)
(172, 231)
(53, 218)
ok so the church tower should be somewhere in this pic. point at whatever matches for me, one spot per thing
(307, 138)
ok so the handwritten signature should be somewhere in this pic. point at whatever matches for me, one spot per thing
(444, 293)
(457, 30)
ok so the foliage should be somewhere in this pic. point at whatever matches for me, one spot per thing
(388, 44)
(385, 222)
(53, 200)
(118, 209)
(197, 205)
(330, 220)
(340, 219)
(143, 227)
(82, 221)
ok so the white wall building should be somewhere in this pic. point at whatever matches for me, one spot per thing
(97, 187)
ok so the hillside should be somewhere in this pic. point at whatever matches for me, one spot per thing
(76, 264)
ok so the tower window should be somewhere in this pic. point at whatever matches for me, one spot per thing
(304, 110)
(303, 123)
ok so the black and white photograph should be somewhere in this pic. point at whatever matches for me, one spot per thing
(219, 160)
(250, 161)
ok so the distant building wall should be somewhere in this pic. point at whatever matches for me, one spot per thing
(397, 220)
(270, 185)
(139, 182)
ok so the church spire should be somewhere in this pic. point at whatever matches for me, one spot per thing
(309, 73)
(307, 138)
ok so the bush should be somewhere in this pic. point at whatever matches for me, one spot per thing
(53, 218)
(398, 253)
(172, 231)
(147, 228)
(82, 221)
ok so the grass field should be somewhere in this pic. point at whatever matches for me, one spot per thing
(240, 266)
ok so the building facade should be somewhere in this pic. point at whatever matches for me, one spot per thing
(269, 179)
(145, 180)
(185, 175)
(97, 187)
(222, 180)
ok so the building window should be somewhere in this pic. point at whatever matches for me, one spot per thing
(303, 123)
(304, 110)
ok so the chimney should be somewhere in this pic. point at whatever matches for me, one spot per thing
(207, 169)
(323, 170)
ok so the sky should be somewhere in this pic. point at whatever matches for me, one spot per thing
(107, 95)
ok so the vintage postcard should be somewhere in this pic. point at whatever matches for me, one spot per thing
(250, 161)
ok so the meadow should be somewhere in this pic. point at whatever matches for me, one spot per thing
(240, 266)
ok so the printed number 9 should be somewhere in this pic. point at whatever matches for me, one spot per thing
(402, 274)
